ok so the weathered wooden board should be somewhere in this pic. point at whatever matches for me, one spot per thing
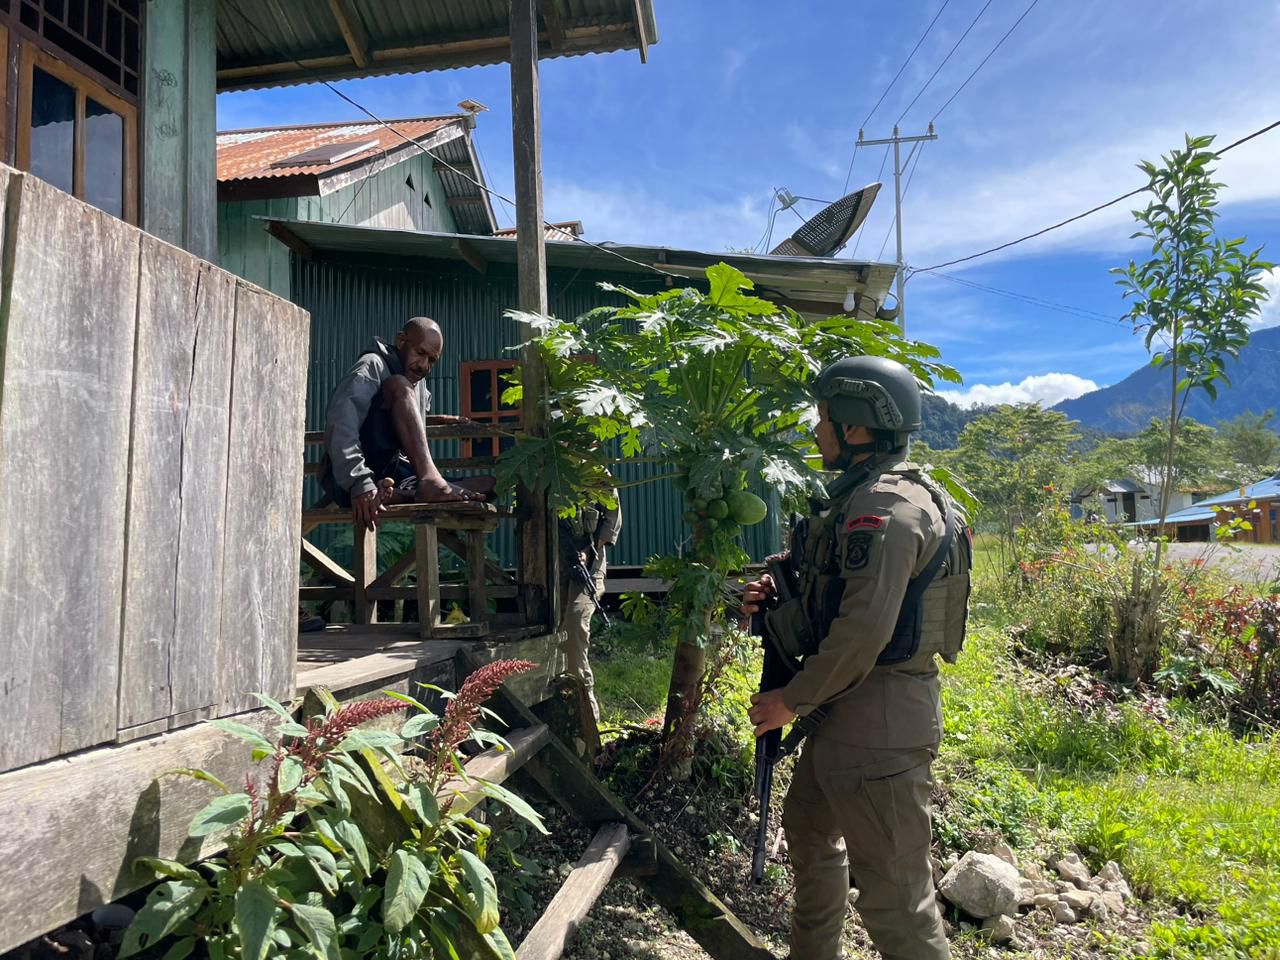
(264, 499)
(77, 824)
(573, 901)
(71, 283)
(177, 486)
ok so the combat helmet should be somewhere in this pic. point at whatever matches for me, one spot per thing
(872, 392)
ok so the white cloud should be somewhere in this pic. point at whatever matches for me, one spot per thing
(1047, 389)
(1271, 309)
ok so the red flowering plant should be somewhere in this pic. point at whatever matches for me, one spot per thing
(339, 847)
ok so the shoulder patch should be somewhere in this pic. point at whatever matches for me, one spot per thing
(869, 522)
(857, 551)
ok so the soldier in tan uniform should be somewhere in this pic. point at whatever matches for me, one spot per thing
(586, 538)
(864, 643)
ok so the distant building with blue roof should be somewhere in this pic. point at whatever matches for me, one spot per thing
(1197, 521)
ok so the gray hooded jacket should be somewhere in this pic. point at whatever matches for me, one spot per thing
(348, 408)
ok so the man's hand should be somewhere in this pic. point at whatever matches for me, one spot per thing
(768, 712)
(754, 594)
(366, 506)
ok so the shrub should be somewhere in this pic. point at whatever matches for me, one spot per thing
(328, 856)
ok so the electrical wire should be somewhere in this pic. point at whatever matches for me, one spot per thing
(950, 52)
(886, 90)
(484, 168)
(917, 149)
(234, 5)
(355, 196)
(1033, 301)
(1079, 216)
(768, 215)
(862, 229)
(984, 60)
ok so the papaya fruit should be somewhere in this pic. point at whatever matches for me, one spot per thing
(746, 508)
(717, 509)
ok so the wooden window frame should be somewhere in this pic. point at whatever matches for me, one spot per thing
(85, 86)
(485, 447)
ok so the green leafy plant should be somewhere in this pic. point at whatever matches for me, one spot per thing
(715, 386)
(1193, 300)
(345, 845)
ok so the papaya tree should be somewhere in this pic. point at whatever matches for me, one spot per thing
(713, 387)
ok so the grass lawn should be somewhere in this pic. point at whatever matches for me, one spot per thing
(1189, 810)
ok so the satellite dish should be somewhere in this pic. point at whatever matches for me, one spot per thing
(826, 232)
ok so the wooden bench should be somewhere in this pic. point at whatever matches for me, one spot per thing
(460, 527)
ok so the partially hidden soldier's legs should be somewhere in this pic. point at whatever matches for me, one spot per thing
(885, 822)
(576, 624)
(821, 867)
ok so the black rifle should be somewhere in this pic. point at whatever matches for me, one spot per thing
(578, 570)
(773, 746)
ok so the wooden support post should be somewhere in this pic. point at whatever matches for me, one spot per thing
(365, 552)
(571, 904)
(427, 547)
(537, 557)
(324, 566)
(476, 594)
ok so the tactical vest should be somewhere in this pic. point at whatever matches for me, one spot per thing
(935, 607)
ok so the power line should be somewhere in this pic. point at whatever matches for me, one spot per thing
(1074, 311)
(885, 93)
(950, 52)
(1080, 216)
(985, 59)
(234, 5)
(862, 229)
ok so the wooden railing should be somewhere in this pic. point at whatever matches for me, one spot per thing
(150, 405)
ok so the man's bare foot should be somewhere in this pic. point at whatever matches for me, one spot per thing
(445, 492)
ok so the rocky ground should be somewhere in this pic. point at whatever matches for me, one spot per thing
(1042, 906)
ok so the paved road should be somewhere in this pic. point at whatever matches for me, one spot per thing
(1255, 563)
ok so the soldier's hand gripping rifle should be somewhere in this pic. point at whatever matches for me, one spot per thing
(580, 571)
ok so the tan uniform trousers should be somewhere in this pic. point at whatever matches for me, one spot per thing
(575, 620)
(863, 811)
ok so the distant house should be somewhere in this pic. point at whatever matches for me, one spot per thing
(1258, 503)
(363, 174)
(1127, 501)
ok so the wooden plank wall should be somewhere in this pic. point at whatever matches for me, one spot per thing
(151, 415)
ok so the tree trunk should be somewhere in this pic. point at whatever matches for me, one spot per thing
(1133, 645)
(683, 696)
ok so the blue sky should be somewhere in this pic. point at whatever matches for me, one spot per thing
(739, 98)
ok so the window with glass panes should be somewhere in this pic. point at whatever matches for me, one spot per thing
(482, 383)
(78, 64)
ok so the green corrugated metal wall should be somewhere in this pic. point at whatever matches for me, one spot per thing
(383, 200)
(354, 299)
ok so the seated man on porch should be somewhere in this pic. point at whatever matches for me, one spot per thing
(376, 449)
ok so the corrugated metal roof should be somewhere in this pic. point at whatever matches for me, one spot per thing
(249, 154)
(804, 280)
(565, 230)
(1268, 489)
(297, 41)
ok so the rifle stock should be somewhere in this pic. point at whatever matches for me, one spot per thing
(775, 673)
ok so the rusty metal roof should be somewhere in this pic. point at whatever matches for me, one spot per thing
(565, 230)
(249, 154)
(262, 44)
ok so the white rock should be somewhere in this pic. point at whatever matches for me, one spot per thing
(1095, 885)
(1044, 886)
(1141, 948)
(1078, 899)
(998, 848)
(1099, 910)
(1110, 873)
(1026, 893)
(1072, 870)
(1062, 886)
(1032, 870)
(1046, 899)
(951, 861)
(1118, 886)
(982, 885)
(1062, 913)
(1114, 902)
(1001, 928)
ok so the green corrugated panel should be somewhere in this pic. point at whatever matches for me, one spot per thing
(354, 300)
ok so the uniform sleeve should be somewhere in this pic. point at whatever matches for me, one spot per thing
(879, 550)
(610, 525)
(346, 413)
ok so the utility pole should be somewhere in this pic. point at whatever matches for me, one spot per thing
(897, 142)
